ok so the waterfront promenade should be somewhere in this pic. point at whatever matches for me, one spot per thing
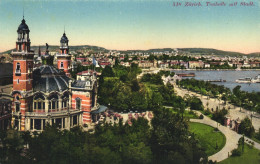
(235, 112)
(231, 136)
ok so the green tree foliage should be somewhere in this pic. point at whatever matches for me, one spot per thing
(166, 73)
(219, 115)
(152, 78)
(108, 144)
(108, 72)
(257, 136)
(11, 147)
(249, 101)
(172, 142)
(194, 103)
(223, 66)
(204, 87)
(246, 127)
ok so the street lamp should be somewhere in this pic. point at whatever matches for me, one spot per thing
(240, 106)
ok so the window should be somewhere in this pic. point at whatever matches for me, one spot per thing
(18, 66)
(53, 105)
(29, 66)
(17, 81)
(39, 105)
(53, 101)
(18, 69)
(17, 107)
(61, 64)
(78, 103)
(39, 102)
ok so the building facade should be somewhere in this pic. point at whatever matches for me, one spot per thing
(46, 94)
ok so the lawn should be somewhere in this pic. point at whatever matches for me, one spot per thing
(209, 139)
(250, 155)
(187, 114)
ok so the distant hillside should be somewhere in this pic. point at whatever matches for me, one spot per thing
(256, 54)
(191, 51)
(206, 51)
(56, 48)
(195, 51)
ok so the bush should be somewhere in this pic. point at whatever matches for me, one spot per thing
(207, 112)
(236, 152)
(219, 116)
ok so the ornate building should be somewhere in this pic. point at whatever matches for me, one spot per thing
(46, 94)
(63, 58)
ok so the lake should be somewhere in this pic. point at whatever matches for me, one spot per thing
(230, 77)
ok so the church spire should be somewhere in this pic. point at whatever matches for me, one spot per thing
(23, 12)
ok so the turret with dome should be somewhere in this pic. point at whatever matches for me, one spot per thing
(63, 58)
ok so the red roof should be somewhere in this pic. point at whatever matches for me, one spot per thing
(105, 63)
(89, 71)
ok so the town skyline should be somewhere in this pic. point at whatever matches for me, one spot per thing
(138, 25)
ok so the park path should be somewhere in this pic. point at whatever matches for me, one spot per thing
(231, 138)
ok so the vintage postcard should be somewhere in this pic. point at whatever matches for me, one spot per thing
(130, 81)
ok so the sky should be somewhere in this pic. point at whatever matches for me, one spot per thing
(134, 24)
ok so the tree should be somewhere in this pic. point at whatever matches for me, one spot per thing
(236, 91)
(108, 72)
(219, 115)
(246, 127)
(171, 140)
(135, 85)
(195, 103)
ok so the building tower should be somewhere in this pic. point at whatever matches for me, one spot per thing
(63, 58)
(22, 76)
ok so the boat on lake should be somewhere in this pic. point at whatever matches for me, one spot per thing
(249, 80)
(220, 80)
(186, 74)
(256, 79)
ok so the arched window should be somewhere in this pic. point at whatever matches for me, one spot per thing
(17, 107)
(65, 100)
(78, 103)
(61, 64)
(53, 102)
(19, 36)
(20, 47)
(88, 83)
(18, 68)
(39, 102)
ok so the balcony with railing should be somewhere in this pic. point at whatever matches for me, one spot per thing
(52, 112)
